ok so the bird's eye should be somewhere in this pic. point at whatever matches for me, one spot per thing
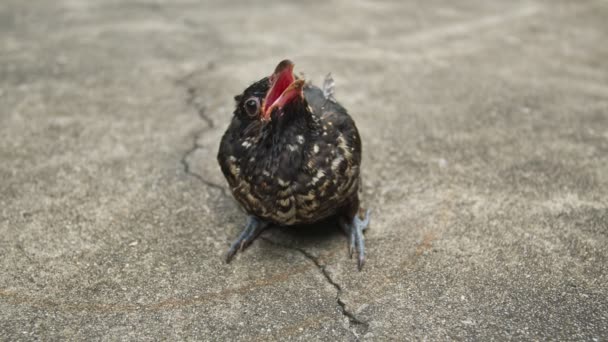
(252, 105)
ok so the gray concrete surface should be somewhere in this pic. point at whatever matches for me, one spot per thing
(485, 130)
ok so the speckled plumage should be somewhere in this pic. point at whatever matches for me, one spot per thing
(300, 166)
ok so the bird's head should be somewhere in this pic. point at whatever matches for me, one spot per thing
(271, 97)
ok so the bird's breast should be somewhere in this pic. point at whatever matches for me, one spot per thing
(298, 176)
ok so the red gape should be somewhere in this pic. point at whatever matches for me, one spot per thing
(279, 82)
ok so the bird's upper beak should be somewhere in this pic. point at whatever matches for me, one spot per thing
(283, 88)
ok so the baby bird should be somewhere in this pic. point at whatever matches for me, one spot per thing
(292, 155)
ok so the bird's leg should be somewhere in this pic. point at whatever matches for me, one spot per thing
(253, 228)
(354, 230)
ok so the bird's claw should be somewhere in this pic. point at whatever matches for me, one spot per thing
(253, 228)
(355, 230)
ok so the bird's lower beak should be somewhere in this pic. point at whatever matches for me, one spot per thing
(283, 88)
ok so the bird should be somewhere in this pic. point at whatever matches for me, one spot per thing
(291, 155)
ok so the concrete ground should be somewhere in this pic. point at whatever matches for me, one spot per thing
(485, 131)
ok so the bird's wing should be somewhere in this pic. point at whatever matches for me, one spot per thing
(330, 176)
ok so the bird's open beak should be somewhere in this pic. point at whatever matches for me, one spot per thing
(283, 88)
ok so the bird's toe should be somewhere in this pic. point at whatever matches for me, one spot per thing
(253, 228)
(355, 230)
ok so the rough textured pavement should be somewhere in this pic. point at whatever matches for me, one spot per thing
(485, 130)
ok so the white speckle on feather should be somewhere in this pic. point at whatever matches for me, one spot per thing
(300, 139)
(315, 149)
(336, 162)
(309, 196)
(320, 174)
(344, 146)
(288, 216)
(235, 170)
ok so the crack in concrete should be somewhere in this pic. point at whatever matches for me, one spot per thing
(25, 254)
(353, 320)
(187, 170)
(210, 125)
(200, 109)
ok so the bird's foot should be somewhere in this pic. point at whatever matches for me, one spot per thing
(354, 230)
(253, 228)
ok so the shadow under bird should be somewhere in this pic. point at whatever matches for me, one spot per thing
(292, 155)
